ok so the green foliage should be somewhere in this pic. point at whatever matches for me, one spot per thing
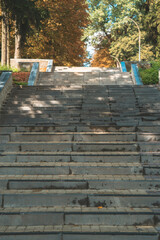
(6, 68)
(20, 83)
(150, 75)
(112, 19)
(25, 14)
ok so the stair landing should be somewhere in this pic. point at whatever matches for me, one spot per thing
(85, 76)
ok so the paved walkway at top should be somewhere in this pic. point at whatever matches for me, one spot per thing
(85, 76)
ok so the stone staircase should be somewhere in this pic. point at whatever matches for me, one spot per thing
(80, 162)
(63, 76)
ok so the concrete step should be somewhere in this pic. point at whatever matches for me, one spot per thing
(127, 157)
(72, 232)
(80, 216)
(72, 136)
(88, 198)
(99, 128)
(145, 129)
(113, 157)
(83, 137)
(75, 168)
(78, 146)
(117, 182)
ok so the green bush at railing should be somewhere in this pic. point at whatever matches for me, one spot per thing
(150, 75)
(6, 68)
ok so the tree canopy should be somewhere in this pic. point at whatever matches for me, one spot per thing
(61, 34)
(110, 19)
(49, 29)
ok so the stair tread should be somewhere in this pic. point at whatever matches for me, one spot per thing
(77, 177)
(141, 192)
(149, 230)
(73, 164)
(81, 209)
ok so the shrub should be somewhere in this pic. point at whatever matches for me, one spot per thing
(150, 75)
(6, 68)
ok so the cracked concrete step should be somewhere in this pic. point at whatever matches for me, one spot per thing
(88, 198)
(79, 216)
(72, 232)
(118, 182)
(80, 146)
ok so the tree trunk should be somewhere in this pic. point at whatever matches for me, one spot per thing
(17, 53)
(4, 39)
(8, 43)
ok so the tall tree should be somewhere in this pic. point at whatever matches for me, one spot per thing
(23, 13)
(5, 34)
(60, 37)
(110, 17)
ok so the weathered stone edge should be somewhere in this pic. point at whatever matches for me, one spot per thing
(5, 86)
(34, 75)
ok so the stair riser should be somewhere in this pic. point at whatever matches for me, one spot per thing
(70, 170)
(38, 219)
(77, 138)
(7, 130)
(47, 185)
(4, 138)
(152, 171)
(81, 147)
(79, 236)
(48, 200)
(68, 147)
(110, 219)
(149, 129)
(33, 236)
(71, 158)
(82, 137)
(150, 158)
(88, 184)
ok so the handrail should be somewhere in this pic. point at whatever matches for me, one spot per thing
(135, 75)
(123, 67)
(34, 75)
(6, 85)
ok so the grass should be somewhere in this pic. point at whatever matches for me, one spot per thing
(150, 76)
